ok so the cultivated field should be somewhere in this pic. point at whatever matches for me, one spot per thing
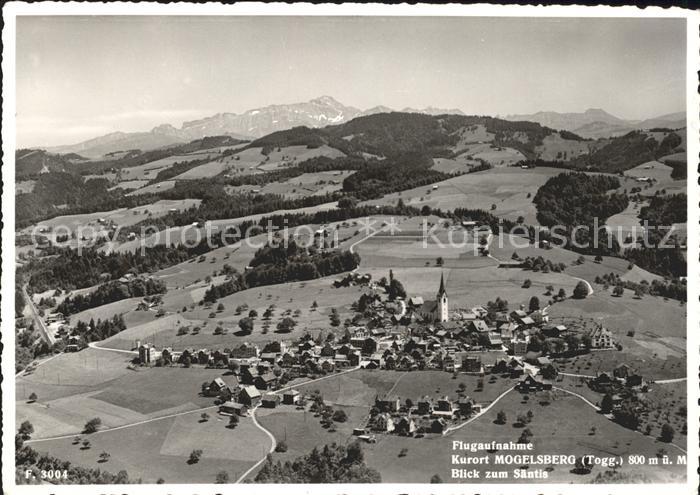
(507, 188)
(87, 223)
(311, 184)
(149, 171)
(160, 449)
(252, 160)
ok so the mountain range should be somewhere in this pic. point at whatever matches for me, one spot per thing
(325, 110)
(596, 123)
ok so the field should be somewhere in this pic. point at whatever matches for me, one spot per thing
(470, 280)
(177, 235)
(507, 188)
(160, 449)
(460, 164)
(563, 427)
(24, 186)
(627, 223)
(72, 373)
(129, 184)
(661, 174)
(117, 396)
(252, 160)
(150, 170)
(302, 431)
(475, 134)
(555, 148)
(311, 184)
(154, 188)
(87, 223)
(359, 388)
(286, 297)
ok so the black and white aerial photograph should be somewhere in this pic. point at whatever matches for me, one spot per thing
(375, 249)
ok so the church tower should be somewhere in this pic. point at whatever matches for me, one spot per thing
(442, 306)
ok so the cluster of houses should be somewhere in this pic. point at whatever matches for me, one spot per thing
(623, 382)
(427, 415)
(239, 399)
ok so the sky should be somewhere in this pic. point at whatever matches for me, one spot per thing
(82, 77)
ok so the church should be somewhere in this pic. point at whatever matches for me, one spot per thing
(436, 311)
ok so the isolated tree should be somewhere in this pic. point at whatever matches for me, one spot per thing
(439, 261)
(667, 433)
(581, 290)
(534, 303)
(286, 325)
(501, 417)
(222, 477)
(233, 421)
(32, 397)
(281, 446)
(195, 456)
(205, 417)
(26, 429)
(618, 291)
(525, 436)
(527, 283)
(550, 289)
(86, 444)
(104, 456)
(561, 294)
(252, 314)
(314, 306)
(335, 319)
(220, 307)
(638, 293)
(246, 325)
(435, 478)
(340, 416)
(583, 465)
(92, 425)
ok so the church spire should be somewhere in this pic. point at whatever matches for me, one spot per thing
(442, 286)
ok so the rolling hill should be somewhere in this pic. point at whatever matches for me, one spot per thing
(596, 123)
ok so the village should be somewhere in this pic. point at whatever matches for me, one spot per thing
(402, 335)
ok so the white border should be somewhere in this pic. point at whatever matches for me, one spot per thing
(10, 11)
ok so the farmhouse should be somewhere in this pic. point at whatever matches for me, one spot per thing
(601, 338)
(533, 384)
(231, 408)
(270, 401)
(249, 396)
(291, 397)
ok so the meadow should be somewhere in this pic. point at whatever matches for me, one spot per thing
(510, 189)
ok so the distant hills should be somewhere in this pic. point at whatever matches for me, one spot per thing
(324, 111)
(596, 123)
(251, 124)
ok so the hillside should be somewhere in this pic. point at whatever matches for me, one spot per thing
(31, 162)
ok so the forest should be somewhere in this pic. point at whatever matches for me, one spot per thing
(574, 199)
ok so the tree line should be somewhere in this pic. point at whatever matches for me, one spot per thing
(279, 264)
(111, 292)
(329, 464)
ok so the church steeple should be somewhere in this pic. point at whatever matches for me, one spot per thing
(442, 290)
(442, 303)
